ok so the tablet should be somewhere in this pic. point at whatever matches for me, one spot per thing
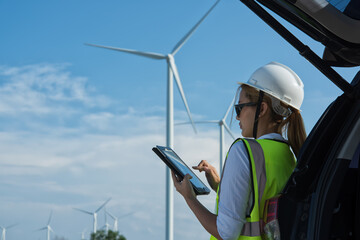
(174, 162)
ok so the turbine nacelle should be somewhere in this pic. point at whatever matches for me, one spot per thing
(170, 57)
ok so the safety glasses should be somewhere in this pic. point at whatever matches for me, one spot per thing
(239, 107)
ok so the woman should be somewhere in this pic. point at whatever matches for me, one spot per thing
(255, 170)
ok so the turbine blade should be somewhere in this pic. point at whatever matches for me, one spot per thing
(200, 122)
(49, 218)
(105, 215)
(40, 229)
(128, 214)
(192, 30)
(103, 205)
(178, 82)
(112, 216)
(209, 121)
(12, 225)
(135, 52)
(228, 130)
(230, 107)
(77, 209)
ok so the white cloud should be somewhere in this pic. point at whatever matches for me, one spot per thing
(42, 88)
(124, 168)
(106, 165)
(133, 122)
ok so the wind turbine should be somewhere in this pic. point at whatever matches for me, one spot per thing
(47, 227)
(94, 214)
(3, 233)
(172, 71)
(83, 234)
(115, 228)
(106, 226)
(222, 126)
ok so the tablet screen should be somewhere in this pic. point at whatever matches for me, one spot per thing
(180, 166)
(183, 168)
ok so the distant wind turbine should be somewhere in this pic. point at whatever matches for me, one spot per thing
(83, 234)
(107, 225)
(172, 71)
(47, 227)
(115, 228)
(222, 126)
(94, 214)
(3, 233)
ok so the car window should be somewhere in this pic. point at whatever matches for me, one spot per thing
(351, 8)
(339, 4)
(355, 160)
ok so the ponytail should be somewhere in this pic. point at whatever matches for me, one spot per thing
(293, 127)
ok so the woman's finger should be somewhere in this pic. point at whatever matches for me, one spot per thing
(197, 168)
(188, 177)
(200, 167)
(174, 177)
(202, 163)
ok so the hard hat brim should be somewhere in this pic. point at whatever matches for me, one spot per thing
(257, 88)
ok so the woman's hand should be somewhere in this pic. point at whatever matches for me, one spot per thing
(205, 217)
(184, 187)
(210, 172)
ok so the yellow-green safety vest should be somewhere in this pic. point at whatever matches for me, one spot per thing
(271, 163)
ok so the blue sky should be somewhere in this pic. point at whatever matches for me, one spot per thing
(78, 123)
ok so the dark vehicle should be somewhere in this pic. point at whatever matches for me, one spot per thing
(322, 197)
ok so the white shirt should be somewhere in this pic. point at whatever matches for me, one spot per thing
(235, 194)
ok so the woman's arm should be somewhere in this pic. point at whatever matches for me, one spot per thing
(234, 195)
(205, 217)
(234, 192)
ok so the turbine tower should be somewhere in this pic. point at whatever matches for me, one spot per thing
(115, 228)
(106, 226)
(83, 234)
(222, 127)
(3, 232)
(94, 214)
(172, 72)
(47, 227)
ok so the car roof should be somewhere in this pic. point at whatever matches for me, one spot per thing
(340, 17)
(334, 23)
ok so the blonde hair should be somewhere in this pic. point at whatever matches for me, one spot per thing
(292, 126)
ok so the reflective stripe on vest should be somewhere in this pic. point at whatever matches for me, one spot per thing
(257, 160)
(275, 151)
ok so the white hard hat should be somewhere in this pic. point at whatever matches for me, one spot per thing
(281, 83)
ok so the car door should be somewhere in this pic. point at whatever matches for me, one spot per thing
(321, 199)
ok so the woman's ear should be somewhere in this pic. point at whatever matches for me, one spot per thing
(264, 108)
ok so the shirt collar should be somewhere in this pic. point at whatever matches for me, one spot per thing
(275, 136)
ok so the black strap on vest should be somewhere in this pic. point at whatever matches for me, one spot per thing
(261, 96)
